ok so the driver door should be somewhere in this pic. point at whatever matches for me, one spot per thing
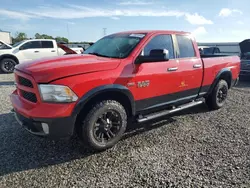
(160, 80)
(30, 51)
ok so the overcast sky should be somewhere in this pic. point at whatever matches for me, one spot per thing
(208, 20)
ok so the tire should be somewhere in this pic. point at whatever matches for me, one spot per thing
(7, 65)
(94, 133)
(218, 97)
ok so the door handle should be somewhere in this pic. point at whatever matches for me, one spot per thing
(173, 69)
(36, 51)
(197, 66)
(53, 51)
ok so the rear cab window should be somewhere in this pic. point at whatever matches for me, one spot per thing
(186, 48)
(47, 44)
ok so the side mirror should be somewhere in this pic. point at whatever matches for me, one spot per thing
(156, 55)
(21, 48)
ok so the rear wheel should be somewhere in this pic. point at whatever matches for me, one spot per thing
(104, 125)
(218, 96)
(7, 65)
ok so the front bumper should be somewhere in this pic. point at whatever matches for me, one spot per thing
(54, 128)
(43, 119)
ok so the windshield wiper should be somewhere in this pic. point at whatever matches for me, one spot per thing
(97, 54)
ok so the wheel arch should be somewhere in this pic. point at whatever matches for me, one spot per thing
(114, 91)
(9, 56)
(224, 74)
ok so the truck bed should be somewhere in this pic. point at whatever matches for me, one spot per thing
(214, 64)
(214, 55)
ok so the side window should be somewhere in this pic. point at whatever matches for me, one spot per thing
(31, 45)
(47, 44)
(185, 46)
(160, 42)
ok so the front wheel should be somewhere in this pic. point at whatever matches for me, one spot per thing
(7, 65)
(104, 125)
(218, 96)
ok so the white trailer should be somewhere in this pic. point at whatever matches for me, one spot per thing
(5, 37)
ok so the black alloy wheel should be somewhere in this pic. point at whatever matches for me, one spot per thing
(7, 65)
(103, 126)
(222, 94)
(107, 126)
(218, 96)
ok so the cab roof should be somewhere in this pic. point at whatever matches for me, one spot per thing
(40, 39)
(156, 31)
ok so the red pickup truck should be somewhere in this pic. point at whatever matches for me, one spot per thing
(137, 75)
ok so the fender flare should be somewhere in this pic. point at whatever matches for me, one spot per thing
(217, 78)
(101, 89)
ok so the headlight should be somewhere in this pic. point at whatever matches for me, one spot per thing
(57, 93)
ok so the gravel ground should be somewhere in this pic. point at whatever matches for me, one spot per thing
(195, 148)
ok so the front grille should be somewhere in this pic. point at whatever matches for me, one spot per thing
(29, 96)
(25, 82)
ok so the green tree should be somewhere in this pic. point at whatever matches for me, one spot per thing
(37, 36)
(19, 37)
(43, 36)
(62, 39)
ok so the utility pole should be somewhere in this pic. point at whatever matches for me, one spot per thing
(68, 30)
(104, 31)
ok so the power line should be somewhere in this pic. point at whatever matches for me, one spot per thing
(68, 31)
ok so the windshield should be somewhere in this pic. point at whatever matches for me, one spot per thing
(115, 46)
(16, 44)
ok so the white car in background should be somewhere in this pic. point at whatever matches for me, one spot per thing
(31, 50)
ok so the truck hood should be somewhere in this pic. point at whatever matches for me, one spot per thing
(245, 46)
(5, 44)
(46, 70)
(6, 51)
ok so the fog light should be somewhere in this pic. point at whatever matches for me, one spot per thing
(45, 127)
